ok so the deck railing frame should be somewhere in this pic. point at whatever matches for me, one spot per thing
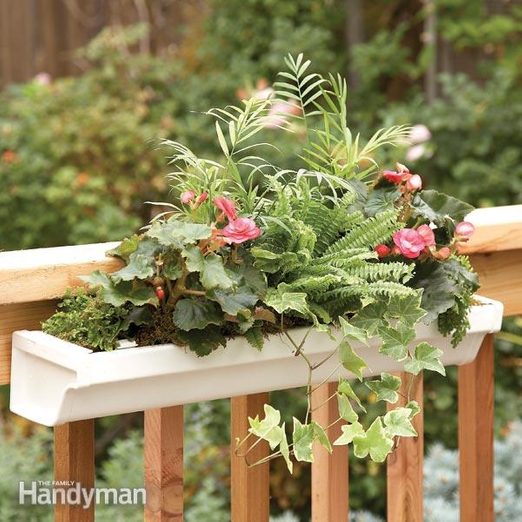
(32, 280)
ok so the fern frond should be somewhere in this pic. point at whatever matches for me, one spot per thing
(372, 272)
(372, 231)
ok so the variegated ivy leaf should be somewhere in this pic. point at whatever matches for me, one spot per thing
(375, 442)
(346, 411)
(303, 438)
(353, 332)
(426, 357)
(285, 451)
(398, 423)
(350, 360)
(345, 388)
(177, 233)
(349, 432)
(386, 388)
(414, 407)
(282, 301)
(407, 309)
(268, 428)
(321, 436)
(371, 317)
(395, 340)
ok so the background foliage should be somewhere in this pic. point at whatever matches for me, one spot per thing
(78, 156)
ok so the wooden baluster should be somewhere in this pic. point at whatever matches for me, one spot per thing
(476, 405)
(329, 472)
(163, 456)
(250, 489)
(74, 461)
(405, 464)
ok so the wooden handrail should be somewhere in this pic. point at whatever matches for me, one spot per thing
(31, 279)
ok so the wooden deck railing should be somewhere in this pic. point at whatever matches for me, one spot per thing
(31, 281)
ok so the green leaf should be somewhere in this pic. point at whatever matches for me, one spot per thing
(426, 357)
(203, 342)
(282, 301)
(255, 338)
(386, 388)
(213, 273)
(303, 438)
(437, 207)
(414, 408)
(117, 294)
(125, 248)
(194, 259)
(345, 388)
(438, 289)
(139, 267)
(350, 360)
(222, 140)
(321, 436)
(353, 332)
(270, 262)
(178, 233)
(407, 309)
(346, 410)
(268, 428)
(240, 301)
(381, 199)
(396, 340)
(349, 432)
(192, 314)
(285, 451)
(371, 317)
(374, 442)
(398, 423)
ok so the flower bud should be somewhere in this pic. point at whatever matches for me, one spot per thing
(465, 229)
(443, 253)
(414, 183)
(382, 250)
(187, 196)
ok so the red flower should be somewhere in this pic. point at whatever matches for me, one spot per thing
(382, 250)
(393, 177)
(427, 235)
(241, 230)
(409, 242)
(226, 206)
(202, 198)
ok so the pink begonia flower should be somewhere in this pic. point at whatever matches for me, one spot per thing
(382, 250)
(414, 183)
(187, 196)
(241, 230)
(427, 235)
(409, 242)
(392, 176)
(465, 229)
(416, 152)
(226, 206)
(419, 134)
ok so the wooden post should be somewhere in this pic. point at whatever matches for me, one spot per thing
(74, 461)
(249, 486)
(329, 472)
(476, 405)
(163, 456)
(405, 464)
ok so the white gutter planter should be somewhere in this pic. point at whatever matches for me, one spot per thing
(54, 381)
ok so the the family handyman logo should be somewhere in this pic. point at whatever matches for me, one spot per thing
(39, 492)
